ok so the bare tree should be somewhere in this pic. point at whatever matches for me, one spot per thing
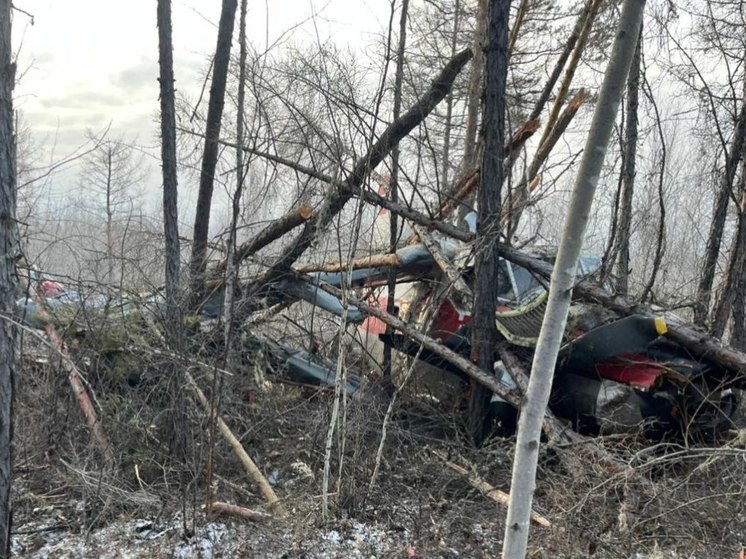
(563, 278)
(714, 239)
(8, 277)
(737, 257)
(484, 331)
(628, 172)
(231, 272)
(114, 170)
(169, 167)
(394, 187)
(210, 155)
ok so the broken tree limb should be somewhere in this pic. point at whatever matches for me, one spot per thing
(238, 449)
(490, 491)
(218, 507)
(75, 379)
(571, 67)
(269, 234)
(367, 195)
(461, 291)
(470, 369)
(562, 60)
(372, 261)
(338, 197)
(527, 184)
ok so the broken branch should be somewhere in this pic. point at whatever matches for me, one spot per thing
(462, 291)
(372, 261)
(338, 197)
(218, 507)
(269, 234)
(490, 491)
(238, 449)
(75, 379)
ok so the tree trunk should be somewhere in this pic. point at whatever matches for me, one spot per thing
(712, 250)
(231, 273)
(168, 166)
(444, 178)
(738, 309)
(394, 186)
(109, 217)
(724, 305)
(563, 278)
(475, 87)
(8, 277)
(628, 172)
(484, 331)
(210, 155)
(660, 241)
(737, 253)
(473, 102)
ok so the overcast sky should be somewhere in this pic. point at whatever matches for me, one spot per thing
(88, 63)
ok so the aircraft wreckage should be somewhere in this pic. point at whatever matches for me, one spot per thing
(614, 373)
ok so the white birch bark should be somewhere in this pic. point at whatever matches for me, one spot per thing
(560, 291)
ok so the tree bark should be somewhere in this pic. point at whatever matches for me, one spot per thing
(231, 272)
(394, 186)
(738, 309)
(473, 102)
(715, 238)
(562, 60)
(210, 155)
(8, 276)
(169, 169)
(628, 172)
(563, 278)
(737, 255)
(484, 331)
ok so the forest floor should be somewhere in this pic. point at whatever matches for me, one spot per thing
(669, 501)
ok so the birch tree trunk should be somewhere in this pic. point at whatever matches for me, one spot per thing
(484, 331)
(168, 166)
(8, 277)
(210, 155)
(563, 277)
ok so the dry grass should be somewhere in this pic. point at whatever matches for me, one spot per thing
(676, 501)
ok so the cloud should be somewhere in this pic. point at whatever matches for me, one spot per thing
(139, 76)
(85, 99)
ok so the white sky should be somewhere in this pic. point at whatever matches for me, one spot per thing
(88, 63)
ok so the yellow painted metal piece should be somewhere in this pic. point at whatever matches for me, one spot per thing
(660, 325)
